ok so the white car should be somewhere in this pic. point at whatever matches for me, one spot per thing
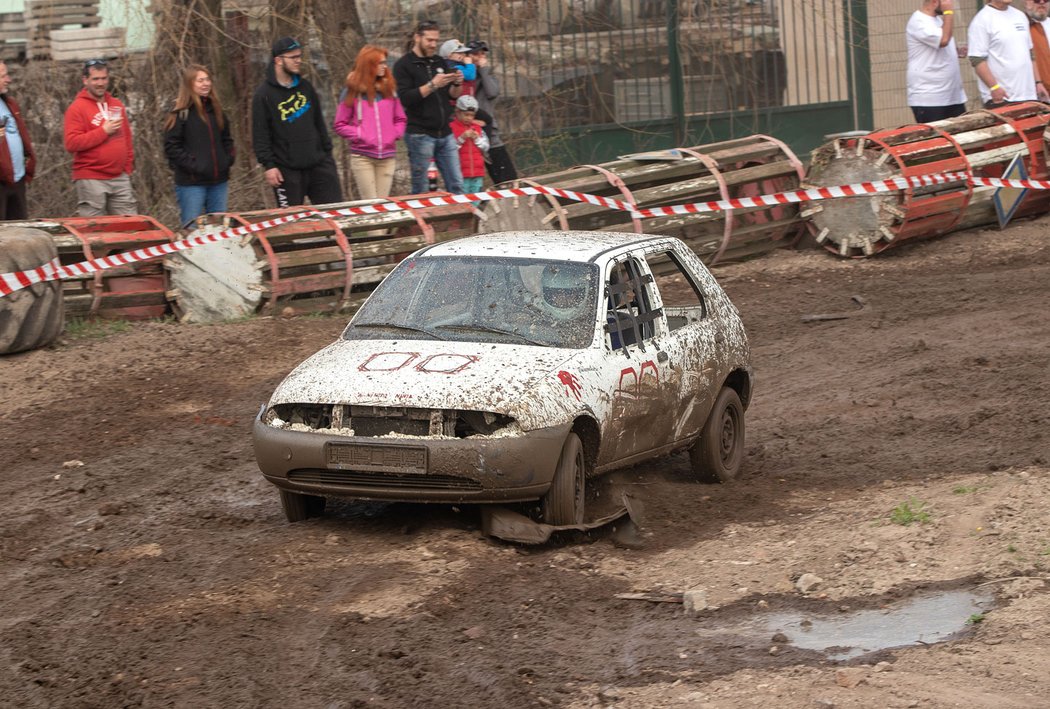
(513, 367)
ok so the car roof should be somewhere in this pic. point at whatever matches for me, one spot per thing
(550, 244)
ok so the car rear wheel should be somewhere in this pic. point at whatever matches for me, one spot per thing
(719, 452)
(298, 507)
(563, 503)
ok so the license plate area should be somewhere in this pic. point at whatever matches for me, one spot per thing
(376, 457)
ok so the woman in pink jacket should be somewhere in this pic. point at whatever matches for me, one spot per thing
(372, 120)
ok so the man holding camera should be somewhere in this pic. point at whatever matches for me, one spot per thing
(427, 86)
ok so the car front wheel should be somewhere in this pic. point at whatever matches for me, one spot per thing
(298, 507)
(563, 503)
(719, 452)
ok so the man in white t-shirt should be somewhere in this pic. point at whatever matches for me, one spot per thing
(1001, 53)
(935, 89)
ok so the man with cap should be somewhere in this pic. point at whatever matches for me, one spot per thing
(486, 91)
(427, 86)
(289, 133)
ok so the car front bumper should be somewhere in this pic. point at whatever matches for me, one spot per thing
(477, 469)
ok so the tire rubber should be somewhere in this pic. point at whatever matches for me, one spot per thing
(563, 503)
(32, 317)
(718, 454)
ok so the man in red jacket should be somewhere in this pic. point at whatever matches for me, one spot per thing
(17, 159)
(99, 136)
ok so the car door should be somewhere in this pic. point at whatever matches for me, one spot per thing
(639, 381)
(690, 339)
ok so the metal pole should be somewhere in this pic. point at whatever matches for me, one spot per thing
(677, 78)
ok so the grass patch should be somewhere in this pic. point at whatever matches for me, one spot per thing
(1011, 548)
(975, 619)
(85, 328)
(964, 490)
(909, 512)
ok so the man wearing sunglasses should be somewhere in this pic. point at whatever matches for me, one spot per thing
(98, 134)
(1000, 50)
(1039, 28)
(289, 133)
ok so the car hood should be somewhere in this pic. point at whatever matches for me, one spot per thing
(518, 381)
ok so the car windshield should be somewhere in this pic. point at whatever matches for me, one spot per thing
(483, 299)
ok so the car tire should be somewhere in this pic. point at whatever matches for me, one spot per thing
(32, 317)
(563, 503)
(299, 507)
(718, 454)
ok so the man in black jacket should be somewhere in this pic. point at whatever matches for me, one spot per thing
(289, 133)
(427, 87)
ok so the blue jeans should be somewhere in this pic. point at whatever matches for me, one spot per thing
(444, 151)
(195, 200)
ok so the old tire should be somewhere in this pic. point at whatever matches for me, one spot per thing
(298, 507)
(34, 316)
(563, 503)
(719, 452)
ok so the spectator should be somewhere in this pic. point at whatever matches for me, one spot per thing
(371, 119)
(426, 88)
(1039, 27)
(935, 89)
(486, 91)
(17, 160)
(1000, 49)
(199, 147)
(472, 141)
(289, 133)
(98, 134)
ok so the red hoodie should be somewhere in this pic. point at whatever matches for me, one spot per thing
(97, 156)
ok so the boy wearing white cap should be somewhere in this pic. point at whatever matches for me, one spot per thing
(472, 141)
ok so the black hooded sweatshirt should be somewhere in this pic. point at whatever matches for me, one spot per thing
(197, 150)
(288, 128)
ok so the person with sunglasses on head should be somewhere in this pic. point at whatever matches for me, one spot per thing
(1039, 28)
(935, 88)
(98, 135)
(17, 158)
(199, 147)
(427, 86)
(289, 133)
(486, 91)
(1000, 50)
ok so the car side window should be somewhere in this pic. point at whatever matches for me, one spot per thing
(630, 316)
(682, 298)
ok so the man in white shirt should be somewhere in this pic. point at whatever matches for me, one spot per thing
(1000, 49)
(935, 89)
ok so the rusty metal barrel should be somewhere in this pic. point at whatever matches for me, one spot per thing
(310, 265)
(134, 291)
(731, 169)
(981, 143)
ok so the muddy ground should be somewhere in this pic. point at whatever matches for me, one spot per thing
(161, 572)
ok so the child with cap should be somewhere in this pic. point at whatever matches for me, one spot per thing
(472, 141)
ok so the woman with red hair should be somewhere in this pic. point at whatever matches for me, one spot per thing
(372, 120)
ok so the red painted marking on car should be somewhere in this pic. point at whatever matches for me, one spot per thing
(649, 364)
(571, 382)
(434, 364)
(378, 363)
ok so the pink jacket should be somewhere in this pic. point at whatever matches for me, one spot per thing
(371, 127)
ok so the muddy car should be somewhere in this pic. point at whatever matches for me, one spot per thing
(514, 367)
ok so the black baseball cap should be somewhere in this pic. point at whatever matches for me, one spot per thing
(285, 45)
(477, 45)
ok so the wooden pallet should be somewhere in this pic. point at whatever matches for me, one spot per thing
(45, 16)
(87, 43)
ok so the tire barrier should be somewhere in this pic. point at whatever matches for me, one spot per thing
(33, 316)
(726, 171)
(317, 263)
(981, 143)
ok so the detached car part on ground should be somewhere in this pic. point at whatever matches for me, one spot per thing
(512, 367)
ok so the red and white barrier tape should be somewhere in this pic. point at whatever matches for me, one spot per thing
(11, 282)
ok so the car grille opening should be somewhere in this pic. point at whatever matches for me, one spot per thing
(404, 481)
(376, 421)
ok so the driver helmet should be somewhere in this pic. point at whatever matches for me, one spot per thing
(563, 293)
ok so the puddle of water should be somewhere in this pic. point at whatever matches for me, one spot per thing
(929, 618)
